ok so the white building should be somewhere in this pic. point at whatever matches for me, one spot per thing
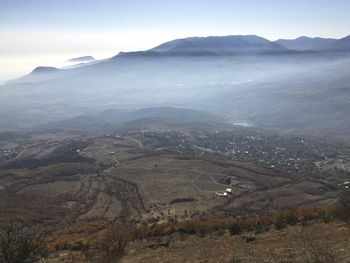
(229, 190)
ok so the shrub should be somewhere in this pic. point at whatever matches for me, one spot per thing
(21, 245)
(62, 246)
(80, 245)
(235, 229)
(114, 243)
(279, 222)
(202, 230)
(291, 217)
(343, 209)
(319, 251)
(261, 227)
(327, 217)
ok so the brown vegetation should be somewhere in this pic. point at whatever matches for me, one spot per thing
(344, 206)
(21, 245)
(113, 245)
(293, 244)
(236, 226)
(93, 241)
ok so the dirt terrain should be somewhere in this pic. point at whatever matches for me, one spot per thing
(157, 176)
(323, 242)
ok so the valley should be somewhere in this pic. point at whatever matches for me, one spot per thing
(165, 175)
(201, 149)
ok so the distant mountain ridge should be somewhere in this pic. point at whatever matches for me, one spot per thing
(112, 118)
(249, 78)
(44, 70)
(240, 45)
(232, 45)
(342, 44)
(316, 44)
(82, 59)
(214, 46)
(307, 43)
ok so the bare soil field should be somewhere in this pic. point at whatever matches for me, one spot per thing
(144, 177)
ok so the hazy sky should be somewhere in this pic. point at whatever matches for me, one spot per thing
(37, 32)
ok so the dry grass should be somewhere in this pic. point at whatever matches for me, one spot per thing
(70, 237)
(319, 242)
(305, 236)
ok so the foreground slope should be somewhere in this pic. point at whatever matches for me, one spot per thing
(316, 243)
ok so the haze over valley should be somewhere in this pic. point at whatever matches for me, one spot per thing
(255, 81)
(174, 132)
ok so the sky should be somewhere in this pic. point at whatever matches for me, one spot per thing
(48, 32)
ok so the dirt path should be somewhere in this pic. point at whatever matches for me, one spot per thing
(137, 141)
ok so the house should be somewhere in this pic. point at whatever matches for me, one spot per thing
(224, 194)
(229, 190)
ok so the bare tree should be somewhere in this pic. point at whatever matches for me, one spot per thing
(20, 245)
(114, 243)
(344, 205)
(320, 253)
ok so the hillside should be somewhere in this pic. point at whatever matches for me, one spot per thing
(190, 131)
(81, 59)
(342, 44)
(298, 92)
(176, 171)
(213, 46)
(316, 44)
(228, 45)
(166, 182)
(307, 43)
(316, 243)
(109, 120)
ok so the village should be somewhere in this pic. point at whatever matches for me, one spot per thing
(296, 155)
(307, 158)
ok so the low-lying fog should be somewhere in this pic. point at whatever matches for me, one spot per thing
(291, 91)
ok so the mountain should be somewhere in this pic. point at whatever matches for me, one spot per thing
(39, 74)
(316, 44)
(44, 70)
(342, 44)
(285, 90)
(82, 59)
(307, 43)
(214, 46)
(113, 118)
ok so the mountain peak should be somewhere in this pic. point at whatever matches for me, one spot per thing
(342, 44)
(305, 43)
(42, 69)
(82, 59)
(214, 45)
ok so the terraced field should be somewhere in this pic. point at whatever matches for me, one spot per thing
(68, 176)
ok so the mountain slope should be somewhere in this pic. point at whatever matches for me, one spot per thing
(109, 119)
(316, 44)
(342, 44)
(307, 43)
(82, 59)
(298, 91)
(41, 70)
(216, 45)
